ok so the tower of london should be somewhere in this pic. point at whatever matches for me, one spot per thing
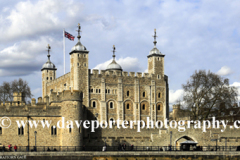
(105, 95)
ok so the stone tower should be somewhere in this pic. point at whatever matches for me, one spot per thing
(156, 61)
(79, 69)
(48, 73)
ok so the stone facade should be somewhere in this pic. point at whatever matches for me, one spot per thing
(105, 95)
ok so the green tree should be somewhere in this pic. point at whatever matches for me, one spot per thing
(208, 93)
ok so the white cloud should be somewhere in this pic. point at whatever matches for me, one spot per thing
(24, 57)
(224, 71)
(30, 18)
(129, 64)
(237, 85)
(175, 95)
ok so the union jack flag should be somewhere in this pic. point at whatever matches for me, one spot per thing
(69, 36)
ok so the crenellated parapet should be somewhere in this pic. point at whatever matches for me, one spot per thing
(33, 109)
(176, 106)
(66, 95)
(108, 73)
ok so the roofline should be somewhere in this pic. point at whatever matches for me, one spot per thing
(74, 51)
(157, 55)
(113, 69)
(48, 69)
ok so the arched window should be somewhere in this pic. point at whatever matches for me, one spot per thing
(47, 78)
(159, 107)
(111, 120)
(0, 130)
(21, 131)
(153, 107)
(70, 128)
(159, 95)
(94, 104)
(53, 130)
(50, 78)
(128, 106)
(144, 94)
(96, 90)
(127, 93)
(143, 106)
(111, 105)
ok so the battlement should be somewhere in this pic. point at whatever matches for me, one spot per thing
(16, 108)
(13, 103)
(103, 73)
(176, 106)
(61, 78)
(65, 95)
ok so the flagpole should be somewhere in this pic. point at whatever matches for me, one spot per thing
(64, 50)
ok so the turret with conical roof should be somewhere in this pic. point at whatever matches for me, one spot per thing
(114, 65)
(156, 60)
(155, 51)
(79, 79)
(78, 47)
(48, 65)
(48, 72)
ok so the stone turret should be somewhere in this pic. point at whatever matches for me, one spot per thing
(48, 73)
(156, 61)
(79, 78)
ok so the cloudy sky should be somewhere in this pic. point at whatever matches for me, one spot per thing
(193, 34)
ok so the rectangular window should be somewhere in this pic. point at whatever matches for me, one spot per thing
(53, 130)
(21, 131)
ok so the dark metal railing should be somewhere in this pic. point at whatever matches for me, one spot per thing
(118, 148)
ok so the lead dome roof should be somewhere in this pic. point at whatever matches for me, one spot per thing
(155, 51)
(48, 64)
(114, 65)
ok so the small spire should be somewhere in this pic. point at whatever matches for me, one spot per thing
(113, 52)
(155, 36)
(79, 30)
(48, 49)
